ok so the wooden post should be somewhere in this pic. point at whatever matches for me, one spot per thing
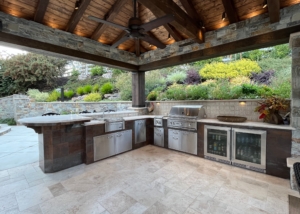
(138, 89)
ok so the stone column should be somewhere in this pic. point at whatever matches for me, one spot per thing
(295, 104)
(138, 89)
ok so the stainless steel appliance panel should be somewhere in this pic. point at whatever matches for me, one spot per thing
(104, 146)
(174, 140)
(182, 124)
(123, 141)
(189, 142)
(159, 136)
(188, 110)
(158, 122)
(114, 126)
(217, 143)
(140, 131)
(249, 149)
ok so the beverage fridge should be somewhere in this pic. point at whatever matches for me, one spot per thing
(244, 148)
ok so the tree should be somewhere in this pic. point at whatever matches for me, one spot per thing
(30, 70)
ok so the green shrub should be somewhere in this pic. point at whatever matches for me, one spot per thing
(80, 90)
(75, 73)
(87, 89)
(196, 92)
(221, 91)
(240, 80)
(220, 70)
(283, 89)
(249, 89)
(53, 96)
(177, 77)
(93, 97)
(176, 92)
(123, 84)
(209, 82)
(236, 92)
(96, 88)
(154, 79)
(152, 96)
(69, 94)
(279, 66)
(8, 121)
(37, 95)
(97, 71)
(107, 88)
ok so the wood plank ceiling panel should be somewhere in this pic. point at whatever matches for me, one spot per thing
(22, 9)
(247, 8)
(286, 3)
(58, 13)
(211, 11)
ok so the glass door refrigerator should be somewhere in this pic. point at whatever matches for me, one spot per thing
(217, 142)
(249, 149)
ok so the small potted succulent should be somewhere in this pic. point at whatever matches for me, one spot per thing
(269, 109)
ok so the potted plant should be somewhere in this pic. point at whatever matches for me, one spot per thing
(269, 109)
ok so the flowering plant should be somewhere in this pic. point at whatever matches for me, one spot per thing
(271, 105)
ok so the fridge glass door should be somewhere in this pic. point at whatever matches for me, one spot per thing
(217, 142)
(249, 148)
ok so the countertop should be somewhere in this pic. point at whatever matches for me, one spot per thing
(88, 121)
(53, 120)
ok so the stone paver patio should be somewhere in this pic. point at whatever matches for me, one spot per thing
(147, 180)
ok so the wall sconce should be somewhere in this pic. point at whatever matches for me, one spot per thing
(242, 103)
(77, 4)
(265, 4)
(157, 103)
(223, 16)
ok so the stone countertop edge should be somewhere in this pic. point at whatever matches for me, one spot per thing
(248, 123)
(53, 120)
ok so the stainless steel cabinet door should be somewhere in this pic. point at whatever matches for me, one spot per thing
(140, 131)
(159, 136)
(174, 140)
(123, 141)
(189, 142)
(104, 146)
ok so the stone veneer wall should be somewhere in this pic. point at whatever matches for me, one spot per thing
(295, 104)
(213, 108)
(8, 104)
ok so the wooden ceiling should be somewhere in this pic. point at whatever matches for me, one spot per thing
(203, 15)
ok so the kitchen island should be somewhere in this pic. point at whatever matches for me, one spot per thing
(66, 141)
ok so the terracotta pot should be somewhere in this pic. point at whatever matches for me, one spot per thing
(274, 118)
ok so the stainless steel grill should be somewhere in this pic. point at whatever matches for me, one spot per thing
(185, 116)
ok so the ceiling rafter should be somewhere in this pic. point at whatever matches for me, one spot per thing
(173, 32)
(40, 11)
(274, 10)
(230, 11)
(76, 15)
(110, 16)
(190, 9)
(182, 21)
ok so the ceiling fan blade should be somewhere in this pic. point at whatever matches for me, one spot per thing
(157, 22)
(108, 23)
(120, 41)
(153, 41)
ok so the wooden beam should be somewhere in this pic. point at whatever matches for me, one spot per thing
(137, 47)
(40, 11)
(274, 10)
(182, 21)
(110, 17)
(46, 48)
(190, 9)
(173, 32)
(261, 41)
(230, 11)
(76, 15)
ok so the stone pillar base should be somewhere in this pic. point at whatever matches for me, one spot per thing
(293, 182)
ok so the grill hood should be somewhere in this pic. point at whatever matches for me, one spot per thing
(192, 111)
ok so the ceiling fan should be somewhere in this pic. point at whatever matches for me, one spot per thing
(137, 30)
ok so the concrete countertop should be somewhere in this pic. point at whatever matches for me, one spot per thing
(53, 120)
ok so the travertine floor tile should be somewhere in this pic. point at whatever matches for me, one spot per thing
(8, 202)
(118, 203)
